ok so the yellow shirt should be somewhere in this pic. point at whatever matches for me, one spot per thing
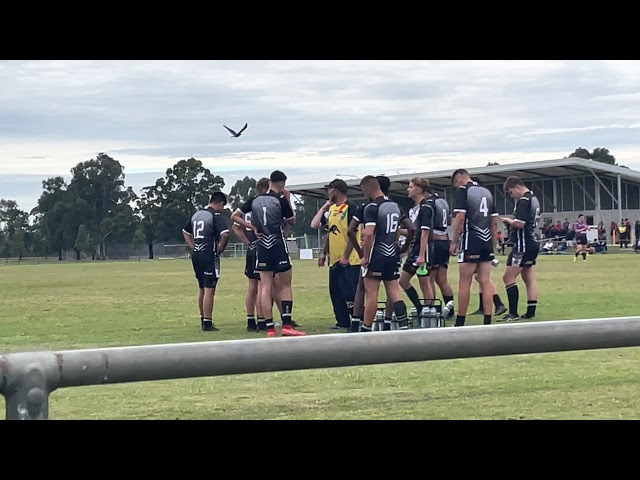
(337, 220)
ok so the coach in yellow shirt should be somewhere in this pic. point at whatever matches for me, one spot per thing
(335, 216)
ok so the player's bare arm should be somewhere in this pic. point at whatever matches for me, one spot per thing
(352, 233)
(409, 232)
(316, 221)
(239, 231)
(424, 242)
(188, 238)
(513, 222)
(367, 243)
(325, 251)
(224, 240)
(238, 217)
(458, 221)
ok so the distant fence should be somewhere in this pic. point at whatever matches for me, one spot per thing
(28, 378)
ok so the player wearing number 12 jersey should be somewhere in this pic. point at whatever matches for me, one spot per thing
(474, 235)
(381, 260)
(522, 258)
(207, 235)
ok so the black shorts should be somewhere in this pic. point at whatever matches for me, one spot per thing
(273, 256)
(382, 268)
(411, 268)
(476, 252)
(526, 258)
(440, 257)
(581, 239)
(250, 266)
(206, 266)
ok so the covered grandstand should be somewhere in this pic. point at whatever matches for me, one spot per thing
(565, 187)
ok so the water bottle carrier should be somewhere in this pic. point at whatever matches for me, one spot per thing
(431, 319)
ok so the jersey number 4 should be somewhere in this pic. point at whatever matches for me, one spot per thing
(483, 206)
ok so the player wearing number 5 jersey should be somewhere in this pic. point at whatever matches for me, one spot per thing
(522, 258)
(474, 236)
(440, 244)
(207, 235)
(381, 260)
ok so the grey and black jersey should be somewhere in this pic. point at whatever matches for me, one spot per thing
(249, 233)
(268, 213)
(477, 203)
(385, 215)
(441, 214)
(422, 218)
(527, 210)
(206, 226)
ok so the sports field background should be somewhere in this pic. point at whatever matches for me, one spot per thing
(83, 305)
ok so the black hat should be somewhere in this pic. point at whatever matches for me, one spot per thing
(339, 185)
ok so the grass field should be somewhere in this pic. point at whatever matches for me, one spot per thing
(84, 305)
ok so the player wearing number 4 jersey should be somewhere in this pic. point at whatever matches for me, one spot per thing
(207, 235)
(381, 261)
(522, 258)
(474, 235)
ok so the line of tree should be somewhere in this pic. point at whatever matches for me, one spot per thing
(96, 210)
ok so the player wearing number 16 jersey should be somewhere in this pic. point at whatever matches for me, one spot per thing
(381, 261)
(522, 258)
(474, 235)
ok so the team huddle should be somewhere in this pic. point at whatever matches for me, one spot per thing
(364, 248)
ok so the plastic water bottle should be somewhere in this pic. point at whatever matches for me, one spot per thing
(447, 308)
(378, 325)
(424, 320)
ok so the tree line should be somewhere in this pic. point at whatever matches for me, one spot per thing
(96, 208)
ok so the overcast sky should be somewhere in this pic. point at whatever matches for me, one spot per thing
(312, 119)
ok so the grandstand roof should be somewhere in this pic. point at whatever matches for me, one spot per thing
(528, 171)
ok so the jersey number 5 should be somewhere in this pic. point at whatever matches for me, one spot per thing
(198, 227)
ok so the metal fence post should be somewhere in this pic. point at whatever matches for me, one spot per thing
(26, 384)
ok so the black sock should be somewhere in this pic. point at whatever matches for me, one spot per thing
(355, 324)
(577, 253)
(447, 299)
(531, 308)
(487, 319)
(413, 296)
(460, 320)
(400, 309)
(251, 322)
(387, 324)
(584, 256)
(496, 301)
(269, 323)
(364, 328)
(481, 305)
(287, 308)
(513, 295)
(207, 322)
(262, 325)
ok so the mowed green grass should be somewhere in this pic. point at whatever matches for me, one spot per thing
(84, 305)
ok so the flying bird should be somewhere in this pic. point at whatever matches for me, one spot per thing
(233, 133)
